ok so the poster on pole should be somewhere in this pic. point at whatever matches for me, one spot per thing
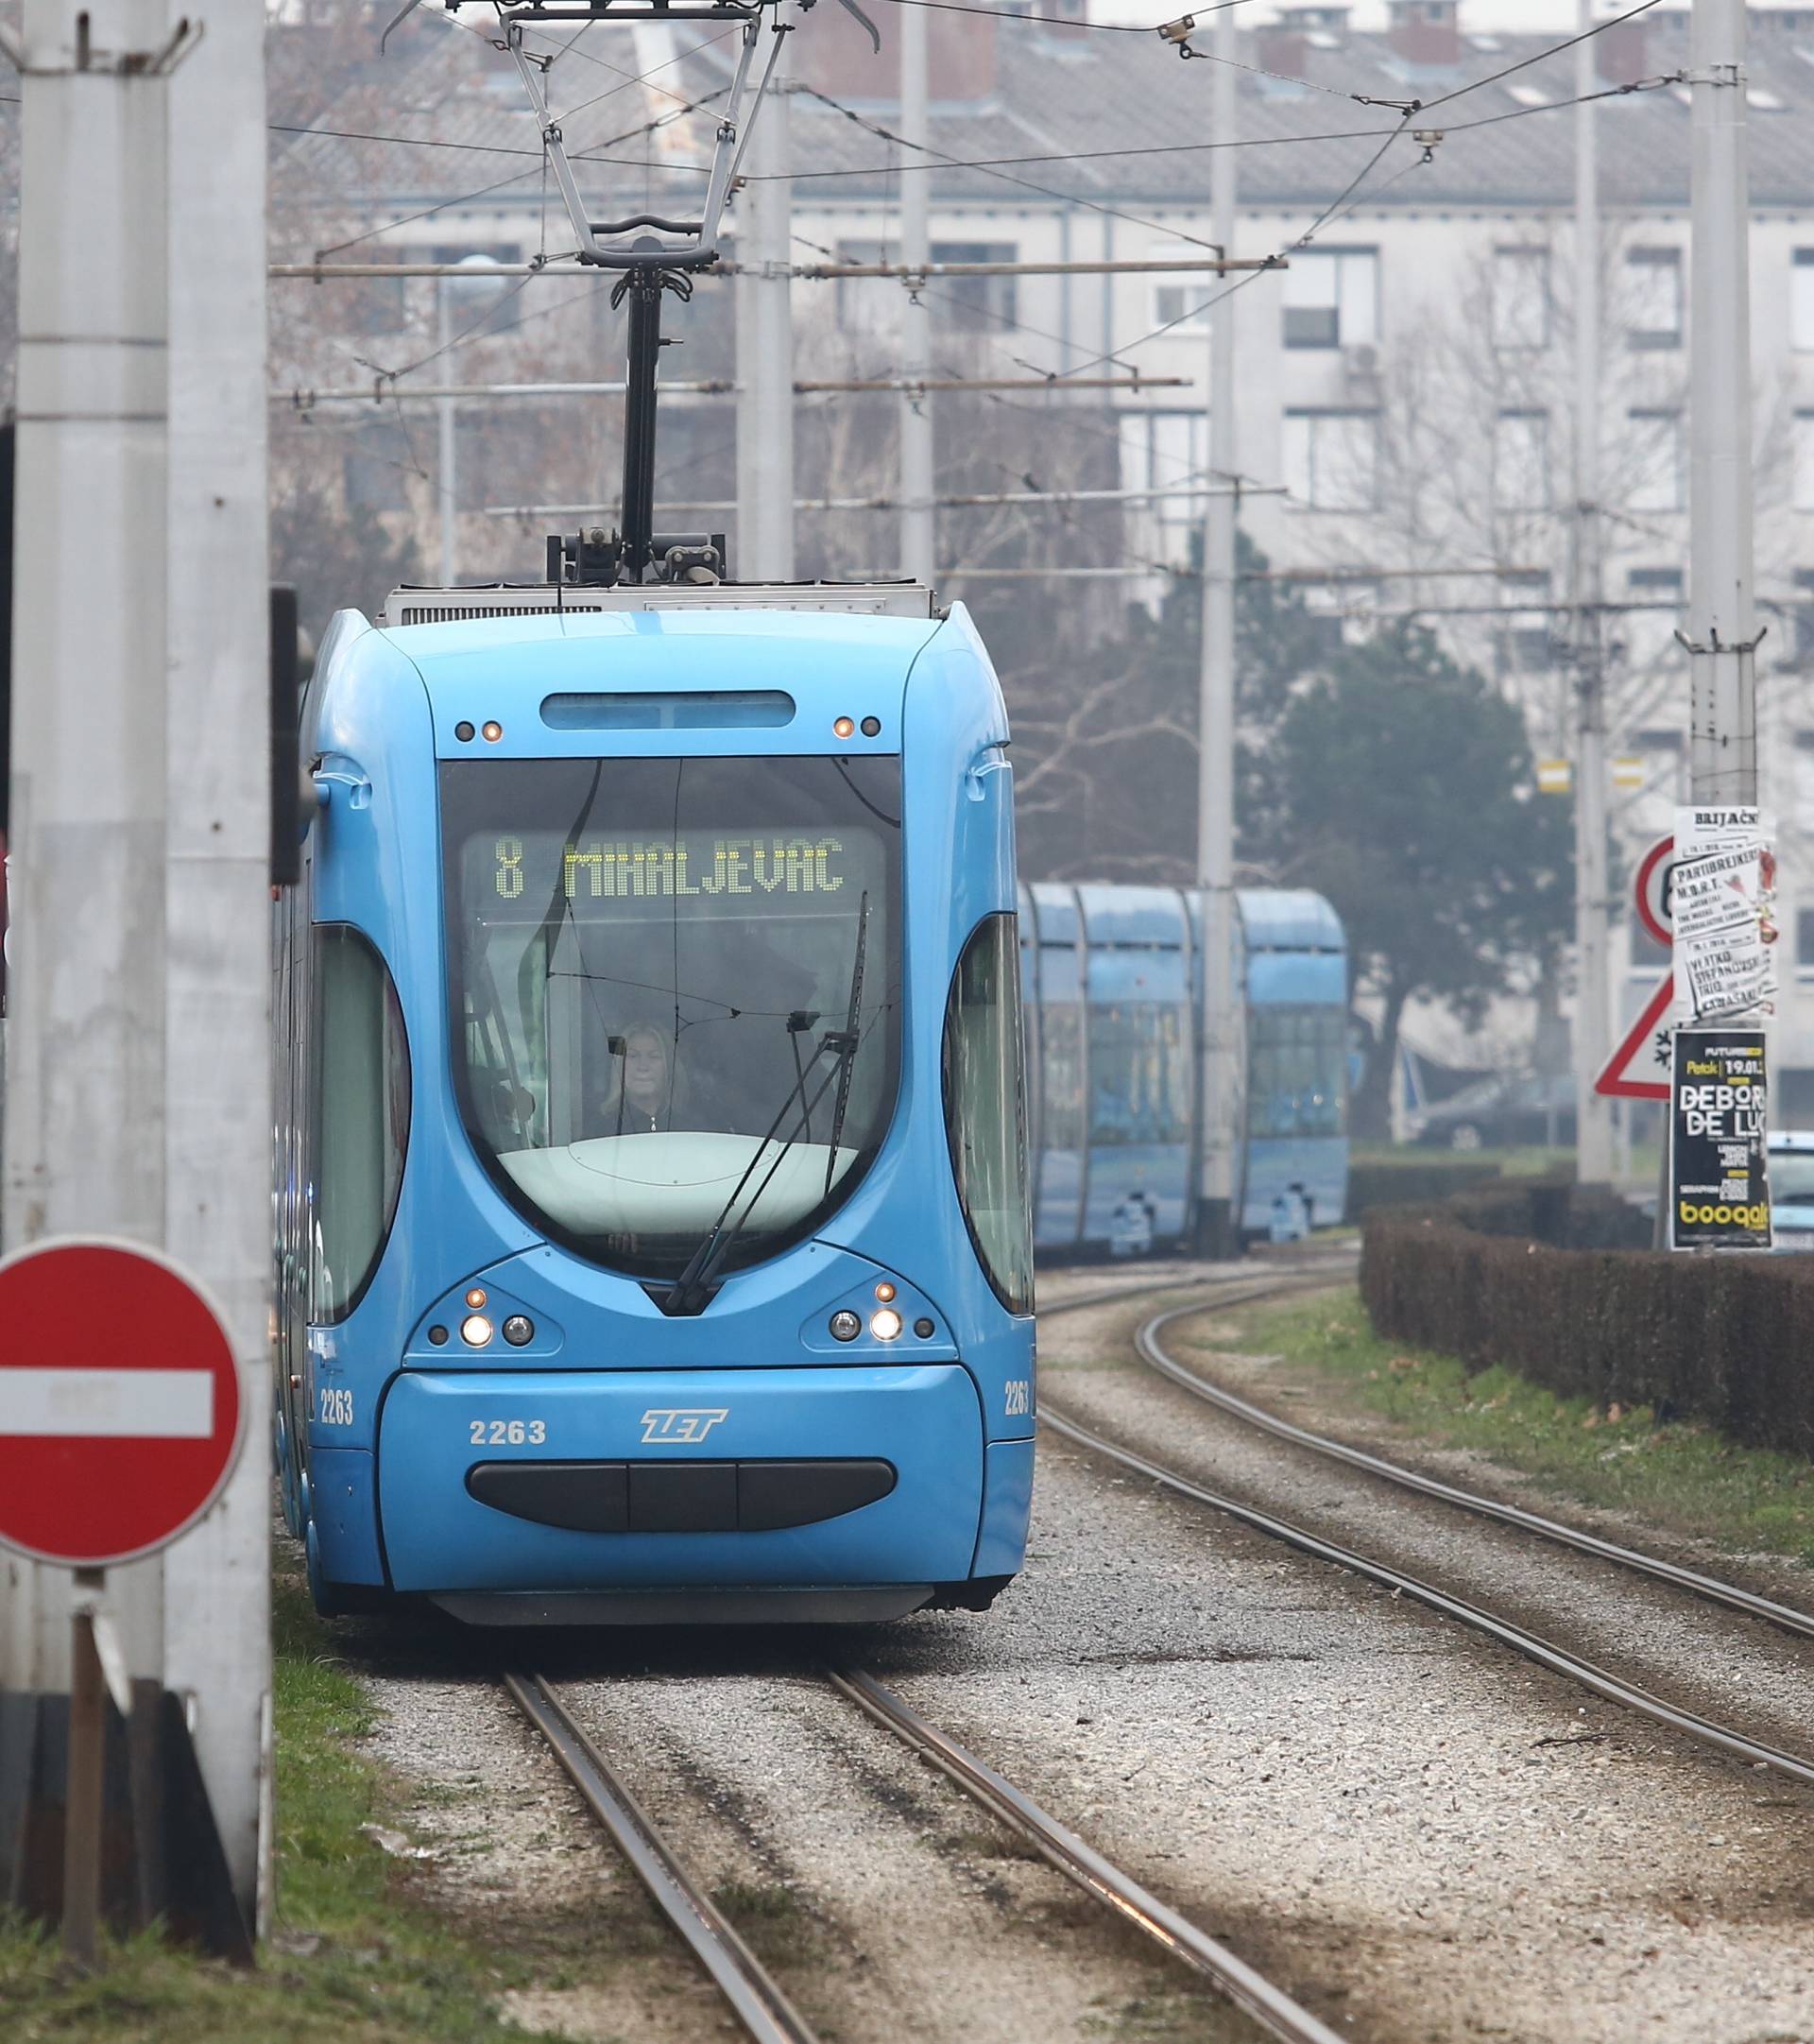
(1721, 908)
(1718, 1115)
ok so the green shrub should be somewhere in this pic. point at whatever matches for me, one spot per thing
(1412, 1179)
(1724, 1339)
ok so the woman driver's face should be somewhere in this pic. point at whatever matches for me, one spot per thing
(645, 1068)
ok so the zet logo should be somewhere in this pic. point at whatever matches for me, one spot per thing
(681, 1426)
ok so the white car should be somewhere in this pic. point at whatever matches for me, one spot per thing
(1791, 1187)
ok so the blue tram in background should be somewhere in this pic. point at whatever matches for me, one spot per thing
(652, 1213)
(1112, 983)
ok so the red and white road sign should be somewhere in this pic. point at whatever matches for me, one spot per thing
(1652, 889)
(119, 1402)
(1639, 1067)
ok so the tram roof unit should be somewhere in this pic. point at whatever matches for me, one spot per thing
(409, 607)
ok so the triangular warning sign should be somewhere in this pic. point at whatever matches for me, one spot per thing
(1639, 1067)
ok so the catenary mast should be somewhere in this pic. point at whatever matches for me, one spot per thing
(1220, 1090)
(1593, 992)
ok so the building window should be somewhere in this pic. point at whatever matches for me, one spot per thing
(1664, 756)
(1802, 453)
(1521, 461)
(377, 466)
(1803, 614)
(1804, 940)
(869, 304)
(972, 304)
(1332, 299)
(1521, 298)
(1181, 296)
(1653, 298)
(1162, 449)
(1332, 459)
(1526, 639)
(1801, 300)
(1656, 442)
(1804, 778)
(1655, 584)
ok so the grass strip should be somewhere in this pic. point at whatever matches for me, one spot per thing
(1682, 1477)
(355, 1957)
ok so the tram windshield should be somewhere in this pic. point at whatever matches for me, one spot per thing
(675, 989)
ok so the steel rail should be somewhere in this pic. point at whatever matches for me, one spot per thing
(757, 2003)
(1239, 1983)
(1531, 1645)
(1150, 1343)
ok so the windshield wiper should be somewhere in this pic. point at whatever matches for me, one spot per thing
(853, 1023)
(692, 1291)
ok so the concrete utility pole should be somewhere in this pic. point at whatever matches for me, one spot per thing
(918, 541)
(765, 346)
(218, 867)
(1723, 617)
(447, 472)
(85, 1125)
(1220, 1088)
(1593, 1040)
(138, 1105)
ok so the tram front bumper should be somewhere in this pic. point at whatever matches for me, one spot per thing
(625, 1480)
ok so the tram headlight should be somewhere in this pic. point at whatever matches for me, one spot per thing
(885, 1324)
(846, 1325)
(519, 1329)
(475, 1330)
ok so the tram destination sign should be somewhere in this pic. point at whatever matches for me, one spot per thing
(1719, 1191)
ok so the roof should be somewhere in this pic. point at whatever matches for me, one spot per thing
(1071, 98)
(1280, 918)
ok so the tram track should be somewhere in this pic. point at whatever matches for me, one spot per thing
(756, 2002)
(1531, 1645)
(754, 1997)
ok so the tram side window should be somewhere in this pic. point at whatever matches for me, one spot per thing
(1139, 1074)
(985, 1109)
(1062, 1072)
(360, 1116)
(1297, 1077)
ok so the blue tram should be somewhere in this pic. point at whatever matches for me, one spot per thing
(652, 1213)
(1113, 981)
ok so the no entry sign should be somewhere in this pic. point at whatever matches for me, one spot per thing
(119, 1402)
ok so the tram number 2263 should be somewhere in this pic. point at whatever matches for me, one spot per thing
(1019, 1398)
(507, 1433)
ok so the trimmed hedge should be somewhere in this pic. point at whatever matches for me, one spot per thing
(1725, 1339)
(1413, 1180)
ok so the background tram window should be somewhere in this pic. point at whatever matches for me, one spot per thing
(1804, 940)
(1140, 1074)
(1062, 1074)
(360, 1116)
(1297, 1073)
